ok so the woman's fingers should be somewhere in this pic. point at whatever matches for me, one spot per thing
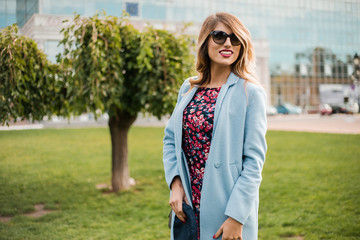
(177, 208)
(186, 200)
(230, 229)
(218, 233)
(177, 197)
(180, 214)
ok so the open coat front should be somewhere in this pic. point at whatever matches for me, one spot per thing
(237, 153)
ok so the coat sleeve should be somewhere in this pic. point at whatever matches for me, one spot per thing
(246, 188)
(169, 151)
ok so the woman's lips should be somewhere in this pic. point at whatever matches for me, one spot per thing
(226, 53)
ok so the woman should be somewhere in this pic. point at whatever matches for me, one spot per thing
(214, 144)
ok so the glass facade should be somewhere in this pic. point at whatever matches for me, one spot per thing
(82, 7)
(7, 13)
(132, 8)
(311, 42)
(52, 49)
(25, 9)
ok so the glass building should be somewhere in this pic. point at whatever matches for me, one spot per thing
(310, 42)
(7, 13)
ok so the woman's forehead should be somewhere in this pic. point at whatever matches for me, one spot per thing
(222, 27)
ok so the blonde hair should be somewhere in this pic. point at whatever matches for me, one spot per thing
(243, 67)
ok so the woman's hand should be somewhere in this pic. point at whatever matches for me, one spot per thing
(230, 229)
(177, 197)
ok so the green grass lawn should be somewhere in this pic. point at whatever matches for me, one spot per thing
(311, 186)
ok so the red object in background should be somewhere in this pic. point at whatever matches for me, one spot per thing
(325, 109)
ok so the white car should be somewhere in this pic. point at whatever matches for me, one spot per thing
(271, 110)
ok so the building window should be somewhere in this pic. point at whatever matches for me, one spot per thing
(132, 8)
(348, 6)
(301, 3)
(52, 49)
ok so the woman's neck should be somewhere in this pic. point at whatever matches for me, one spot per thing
(219, 76)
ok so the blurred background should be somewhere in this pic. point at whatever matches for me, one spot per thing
(306, 49)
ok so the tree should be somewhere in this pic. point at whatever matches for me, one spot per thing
(113, 68)
(28, 86)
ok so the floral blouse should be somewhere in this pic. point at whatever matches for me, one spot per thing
(198, 121)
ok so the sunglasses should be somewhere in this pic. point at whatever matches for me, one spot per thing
(219, 37)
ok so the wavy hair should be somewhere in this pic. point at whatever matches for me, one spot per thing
(243, 67)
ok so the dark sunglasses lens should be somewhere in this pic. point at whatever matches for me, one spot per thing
(234, 40)
(219, 37)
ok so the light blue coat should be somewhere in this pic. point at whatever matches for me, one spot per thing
(237, 153)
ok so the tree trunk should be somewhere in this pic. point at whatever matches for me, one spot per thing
(119, 126)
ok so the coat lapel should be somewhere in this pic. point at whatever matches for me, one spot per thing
(179, 116)
(182, 164)
(232, 79)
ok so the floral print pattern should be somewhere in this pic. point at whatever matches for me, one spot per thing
(198, 121)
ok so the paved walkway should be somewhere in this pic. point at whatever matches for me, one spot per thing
(339, 123)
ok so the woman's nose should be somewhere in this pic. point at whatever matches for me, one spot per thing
(227, 42)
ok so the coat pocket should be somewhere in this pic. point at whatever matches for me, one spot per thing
(235, 173)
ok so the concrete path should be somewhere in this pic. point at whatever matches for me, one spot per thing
(338, 123)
